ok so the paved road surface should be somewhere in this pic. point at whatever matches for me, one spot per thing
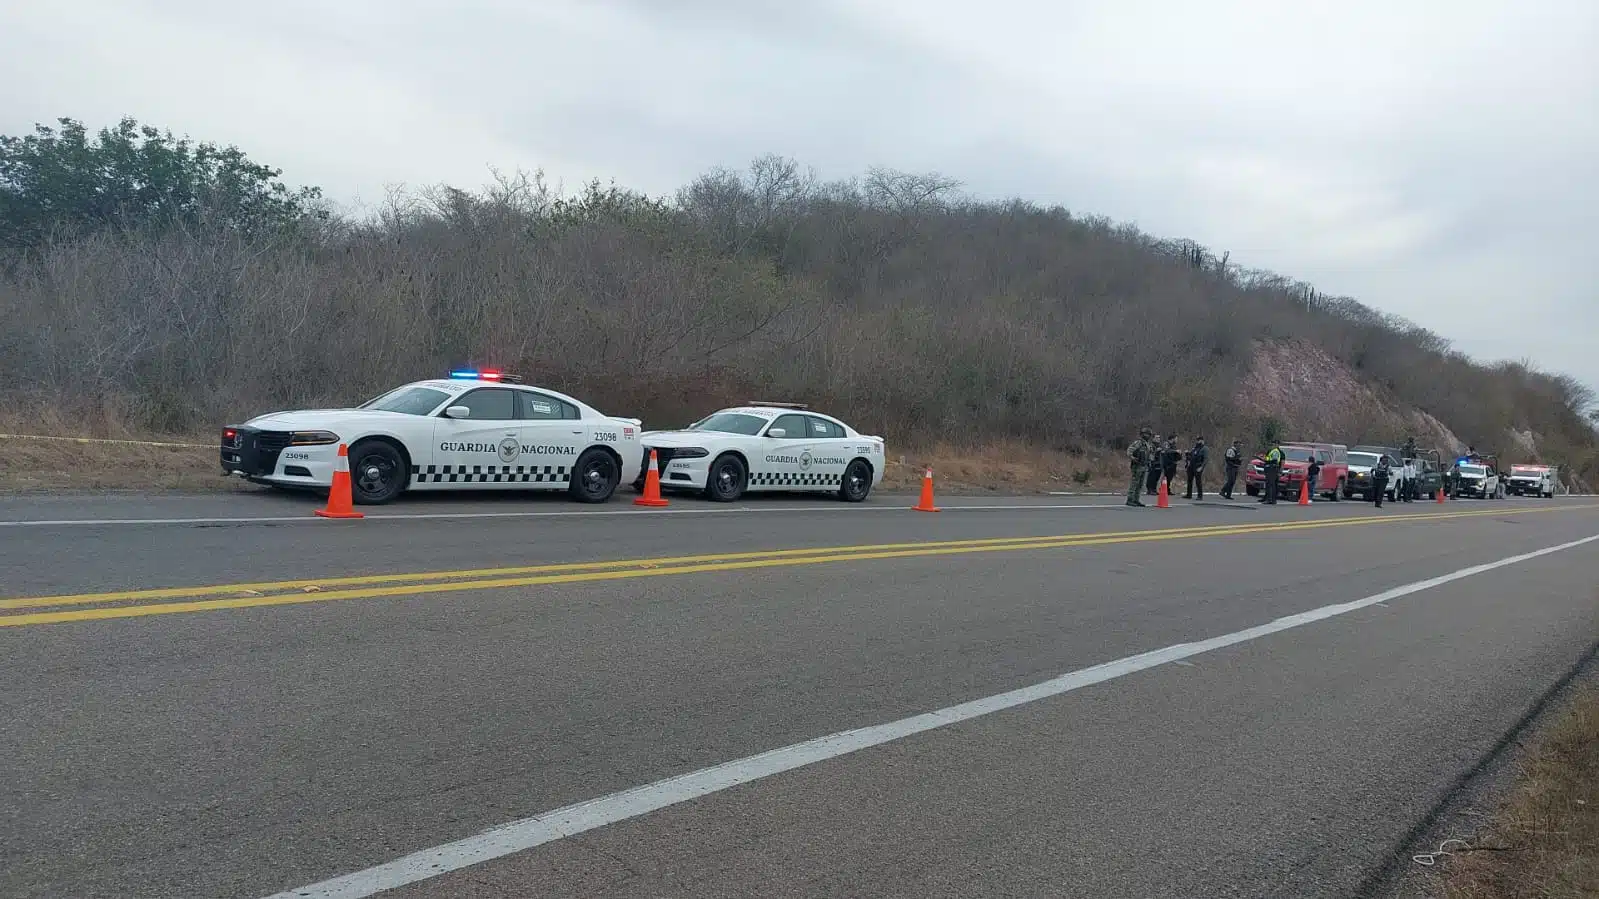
(224, 708)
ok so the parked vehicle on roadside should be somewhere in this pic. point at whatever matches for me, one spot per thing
(1478, 479)
(1533, 480)
(1361, 462)
(1363, 458)
(762, 447)
(474, 430)
(1330, 481)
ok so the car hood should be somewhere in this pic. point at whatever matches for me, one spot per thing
(674, 439)
(315, 419)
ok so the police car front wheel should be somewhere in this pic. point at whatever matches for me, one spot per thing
(724, 482)
(595, 476)
(377, 473)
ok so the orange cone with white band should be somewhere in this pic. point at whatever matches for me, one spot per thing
(339, 499)
(652, 486)
(925, 504)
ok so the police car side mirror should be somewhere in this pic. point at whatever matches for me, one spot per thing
(777, 432)
(458, 412)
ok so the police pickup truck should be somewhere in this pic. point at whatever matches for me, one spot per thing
(1479, 479)
(1533, 480)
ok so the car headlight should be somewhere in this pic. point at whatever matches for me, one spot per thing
(312, 438)
(690, 452)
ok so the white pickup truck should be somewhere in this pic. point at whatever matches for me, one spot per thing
(1362, 459)
(1533, 480)
(1479, 480)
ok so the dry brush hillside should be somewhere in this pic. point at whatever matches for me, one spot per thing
(891, 299)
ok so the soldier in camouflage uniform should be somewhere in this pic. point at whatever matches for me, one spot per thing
(1140, 456)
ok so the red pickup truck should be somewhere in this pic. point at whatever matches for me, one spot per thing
(1296, 462)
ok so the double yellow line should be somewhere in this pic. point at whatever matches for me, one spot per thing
(139, 603)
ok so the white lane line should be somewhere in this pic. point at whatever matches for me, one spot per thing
(518, 836)
(308, 518)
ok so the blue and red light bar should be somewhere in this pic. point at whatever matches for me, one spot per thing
(470, 374)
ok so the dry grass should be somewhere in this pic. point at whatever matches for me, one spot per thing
(44, 465)
(48, 465)
(1004, 468)
(1544, 841)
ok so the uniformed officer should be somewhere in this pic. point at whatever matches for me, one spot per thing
(1197, 457)
(1139, 459)
(1157, 454)
(1234, 460)
(1169, 458)
(1379, 478)
(1311, 474)
(1409, 451)
(1272, 470)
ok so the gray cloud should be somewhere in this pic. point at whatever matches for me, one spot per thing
(1436, 160)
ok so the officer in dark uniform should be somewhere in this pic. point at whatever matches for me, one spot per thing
(1234, 460)
(1157, 456)
(1170, 456)
(1197, 457)
(1379, 478)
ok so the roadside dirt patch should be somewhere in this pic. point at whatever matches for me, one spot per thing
(1004, 468)
(1543, 842)
(45, 465)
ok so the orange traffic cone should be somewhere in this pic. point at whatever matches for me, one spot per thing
(652, 486)
(1440, 494)
(339, 503)
(926, 502)
(1162, 496)
(1304, 493)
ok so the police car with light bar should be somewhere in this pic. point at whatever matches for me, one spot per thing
(767, 447)
(475, 430)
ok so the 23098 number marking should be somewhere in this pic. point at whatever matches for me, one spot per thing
(606, 437)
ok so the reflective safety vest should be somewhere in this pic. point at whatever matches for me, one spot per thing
(1274, 456)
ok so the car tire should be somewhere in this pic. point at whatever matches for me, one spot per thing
(1338, 490)
(378, 472)
(1252, 491)
(857, 482)
(725, 479)
(595, 477)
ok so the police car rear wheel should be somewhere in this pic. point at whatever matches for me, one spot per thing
(377, 473)
(857, 482)
(724, 482)
(595, 476)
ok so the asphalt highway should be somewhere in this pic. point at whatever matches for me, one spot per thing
(227, 697)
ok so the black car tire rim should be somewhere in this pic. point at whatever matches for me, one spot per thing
(855, 480)
(376, 474)
(726, 477)
(598, 474)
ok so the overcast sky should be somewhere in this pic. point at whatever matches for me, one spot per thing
(1438, 160)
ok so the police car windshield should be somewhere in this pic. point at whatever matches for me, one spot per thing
(1367, 459)
(408, 401)
(1472, 469)
(731, 423)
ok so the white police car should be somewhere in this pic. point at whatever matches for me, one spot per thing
(476, 430)
(764, 447)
